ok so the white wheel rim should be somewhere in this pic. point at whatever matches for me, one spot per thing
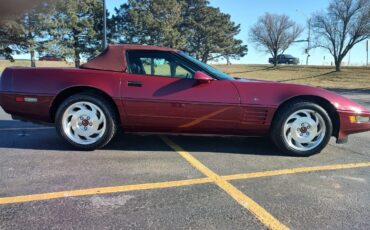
(304, 130)
(84, 123)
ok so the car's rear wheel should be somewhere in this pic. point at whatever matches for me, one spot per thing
(86, 121)
(301, 128)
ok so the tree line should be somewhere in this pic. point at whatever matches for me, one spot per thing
(73, 29)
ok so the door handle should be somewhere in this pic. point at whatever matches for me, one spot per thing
(135, 83)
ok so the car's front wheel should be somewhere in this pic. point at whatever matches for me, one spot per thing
(86, 121)
(301, 128)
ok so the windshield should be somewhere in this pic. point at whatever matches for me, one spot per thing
(213, 71)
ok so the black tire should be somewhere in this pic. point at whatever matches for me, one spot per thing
(105, 106)
(277, 128)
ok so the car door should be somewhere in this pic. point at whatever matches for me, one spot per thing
(281, 59)
(160, 94)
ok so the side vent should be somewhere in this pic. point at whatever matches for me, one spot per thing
(255, 116)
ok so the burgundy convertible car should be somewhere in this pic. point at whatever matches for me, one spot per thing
(162, 90)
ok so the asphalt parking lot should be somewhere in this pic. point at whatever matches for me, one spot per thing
(180, 182)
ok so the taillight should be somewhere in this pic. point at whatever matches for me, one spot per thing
(26, 99)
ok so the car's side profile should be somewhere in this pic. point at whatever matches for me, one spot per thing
(49, 57)
(161, 90)
(285, 59)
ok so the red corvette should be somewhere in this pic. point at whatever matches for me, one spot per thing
(154, 89)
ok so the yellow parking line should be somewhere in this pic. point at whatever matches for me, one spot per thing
(264, 216)
(102, 190)
(136, 187)
(295, 171)
(221, 181)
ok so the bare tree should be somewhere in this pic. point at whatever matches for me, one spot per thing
(344, 24)
(274, 33)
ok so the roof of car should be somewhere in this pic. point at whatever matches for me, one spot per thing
(113, 58)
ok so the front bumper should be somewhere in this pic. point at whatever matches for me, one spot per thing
(349, 126)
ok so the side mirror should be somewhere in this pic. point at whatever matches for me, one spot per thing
(202, 77)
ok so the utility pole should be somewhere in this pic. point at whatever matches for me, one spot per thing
(367, 52)
(307, 51)
(104, 25)
(349, 57)
(308, 40)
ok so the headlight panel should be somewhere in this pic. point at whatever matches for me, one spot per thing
(359, 119)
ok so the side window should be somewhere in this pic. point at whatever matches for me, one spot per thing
(157, 64)
(181, 72)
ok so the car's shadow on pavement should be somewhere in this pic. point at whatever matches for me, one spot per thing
(228, 144)
(20, 135)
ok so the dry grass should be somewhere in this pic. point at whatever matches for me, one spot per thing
(323, 76)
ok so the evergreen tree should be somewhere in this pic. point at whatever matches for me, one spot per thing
(190, 25)
(34, 25)
(10, 32)
(77, 29)
(210, 33)
(149, 22)
(26, 33)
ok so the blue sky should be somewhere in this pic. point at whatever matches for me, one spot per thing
(246, 13)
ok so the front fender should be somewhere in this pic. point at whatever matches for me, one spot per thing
(274, 94)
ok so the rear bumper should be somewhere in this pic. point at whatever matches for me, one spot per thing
(35, 111)
(347, 127)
